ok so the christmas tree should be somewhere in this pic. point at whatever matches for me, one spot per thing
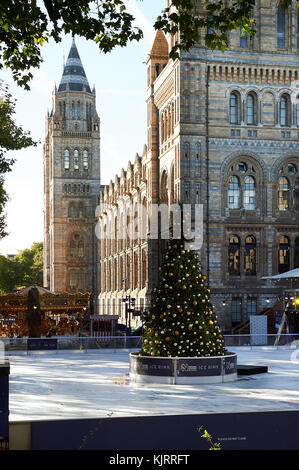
(181, 319)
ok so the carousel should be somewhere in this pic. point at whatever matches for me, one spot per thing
(53, 314)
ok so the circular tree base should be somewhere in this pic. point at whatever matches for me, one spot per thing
(183, 370)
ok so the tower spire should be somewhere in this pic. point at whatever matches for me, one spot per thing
(73, 72)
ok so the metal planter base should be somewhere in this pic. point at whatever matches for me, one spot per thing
(183, 370)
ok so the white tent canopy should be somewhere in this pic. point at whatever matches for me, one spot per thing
(294, 273)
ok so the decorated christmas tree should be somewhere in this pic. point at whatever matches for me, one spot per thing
(181, 319)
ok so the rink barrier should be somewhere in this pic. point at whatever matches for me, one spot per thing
(75, 344)
(261, 430)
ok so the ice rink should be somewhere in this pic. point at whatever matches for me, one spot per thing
(67, 385)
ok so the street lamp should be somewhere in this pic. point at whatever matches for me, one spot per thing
(129, 302)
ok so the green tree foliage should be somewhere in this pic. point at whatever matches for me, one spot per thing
(12, 137)
(25, 269)
(181, 319)
(25, 25)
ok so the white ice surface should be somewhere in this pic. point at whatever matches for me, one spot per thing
(67, 385)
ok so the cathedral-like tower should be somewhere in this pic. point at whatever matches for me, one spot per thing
(71, 182)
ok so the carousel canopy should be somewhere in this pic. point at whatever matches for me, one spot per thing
(41, 290)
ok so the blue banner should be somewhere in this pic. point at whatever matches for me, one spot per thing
(41, 344)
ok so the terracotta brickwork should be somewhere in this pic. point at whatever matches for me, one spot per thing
(71, 182)
(223, 131)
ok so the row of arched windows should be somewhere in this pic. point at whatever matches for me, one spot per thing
(242, 188)
(76, 188)
(285, 250)
(76, 161)
(124, 273)
(250, 114)
(121, 239)
(167, 122)
(283, 24)
(249, 254)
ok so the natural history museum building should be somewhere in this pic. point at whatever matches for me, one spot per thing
(222, 131)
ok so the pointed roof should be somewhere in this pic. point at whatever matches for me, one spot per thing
(160, 45)
(73, 72)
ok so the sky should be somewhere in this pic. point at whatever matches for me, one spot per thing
(120, 81)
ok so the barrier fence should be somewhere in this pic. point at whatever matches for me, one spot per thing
(60, 343)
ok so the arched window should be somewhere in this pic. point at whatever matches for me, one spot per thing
(234, 256)
(249, 193)
(210, 29)
(251, 109)
(81, 211)
(296, 195)
(234, 108)
(172, 118)
(164, 188)
(76, 160)
(243, 38)
(85, 160)
(284, 255)
(73, 111)
(296, 253)
(281, 27)
(288, 187)
(283, 193)
(284, 110)
(143, 282)
(72, 210)
(66, 160)
(128, 272)
(172, 196)
(162, 128)
(77, 280)
(297, 111)
(233, 193)
(78, 110)
(250, 256)
(76, 247)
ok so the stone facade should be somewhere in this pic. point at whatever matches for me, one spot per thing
(71, 183)
(223, 131)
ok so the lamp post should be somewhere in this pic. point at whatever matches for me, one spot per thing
(129, 306)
